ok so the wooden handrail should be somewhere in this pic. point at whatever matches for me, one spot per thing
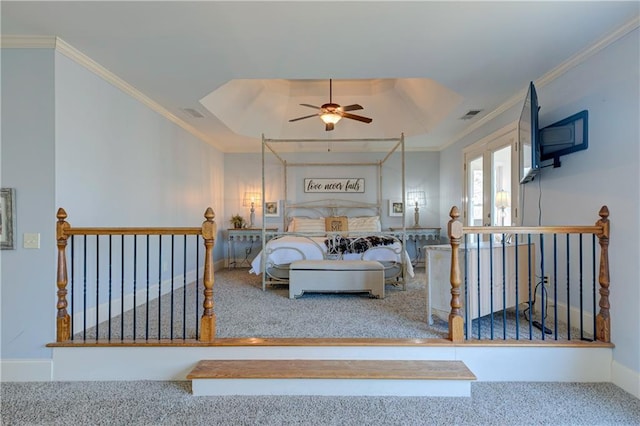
(601, 229)
(208, 232)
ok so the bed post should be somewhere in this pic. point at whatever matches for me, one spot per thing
(456, 322)
(603, 320)
(208, 320)
(63, 320)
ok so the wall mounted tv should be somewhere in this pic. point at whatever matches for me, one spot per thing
(549, 143)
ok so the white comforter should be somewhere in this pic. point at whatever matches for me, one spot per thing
(292, 248)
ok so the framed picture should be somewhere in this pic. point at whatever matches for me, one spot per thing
(271, 208)
(7, 219)
(396, 208)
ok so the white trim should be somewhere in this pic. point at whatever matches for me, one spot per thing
(30, 42)
(26, 370)
(488, 363)
(625, 378)
(547, 78)
(332, 387)
(27, 42)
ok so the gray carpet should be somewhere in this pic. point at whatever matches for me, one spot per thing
(244, 310)
(171, 403)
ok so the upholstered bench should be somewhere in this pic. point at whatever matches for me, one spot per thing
(336, 276)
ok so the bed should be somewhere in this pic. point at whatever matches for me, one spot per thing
(350, 227)
(311, 239)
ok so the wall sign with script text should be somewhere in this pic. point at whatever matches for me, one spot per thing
(334, 185)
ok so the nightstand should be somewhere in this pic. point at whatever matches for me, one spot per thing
(427, 236)
(246, 236)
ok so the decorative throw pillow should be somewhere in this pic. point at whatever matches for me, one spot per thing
(305, 224)
(336, 224)
(364, 224)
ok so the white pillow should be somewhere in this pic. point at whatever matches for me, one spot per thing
(304, 224)
(364, 224)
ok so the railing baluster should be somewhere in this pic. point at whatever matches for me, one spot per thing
(172, 288)
(580, 287)
(122, 287)
(568, 288)
(491, 272)
(517, 269)
(504, 287)
(543, 292)
(531, 286)
(159, 287)
(135, 281)
(97, 286)
(555, 285)
(110, 283)
(184, 287)
(84, 290)
(478, 295)
(593, 283)
(197, 289)
(146, 329)
(467, 301)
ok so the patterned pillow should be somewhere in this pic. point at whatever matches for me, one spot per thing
(336, 224)
(305, 224)
(364, 224)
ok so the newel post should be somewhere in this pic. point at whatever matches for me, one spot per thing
(208, 320)
(456, 322)
(603, 320)
(63, 321)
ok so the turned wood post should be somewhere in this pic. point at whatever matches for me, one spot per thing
(456, 322)
(603, 320)
(63, 321)
(208, 320)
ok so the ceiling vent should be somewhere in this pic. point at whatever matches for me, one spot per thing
(469, 115)
(192, 112)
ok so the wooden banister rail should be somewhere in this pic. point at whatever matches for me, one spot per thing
(64, 230)
(456, 231)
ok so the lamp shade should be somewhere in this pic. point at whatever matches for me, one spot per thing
(416, 197)
(251, 197)
(330, 117)
(503, 199)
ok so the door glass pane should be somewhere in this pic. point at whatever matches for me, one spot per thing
(475, 193)
(501, 188)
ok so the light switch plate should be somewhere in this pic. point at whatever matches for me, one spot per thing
(31, 241)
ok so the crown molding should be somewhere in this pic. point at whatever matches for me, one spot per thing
(27, 42)
(550, 76)
(52, 42)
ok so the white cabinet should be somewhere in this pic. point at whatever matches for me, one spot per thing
(484, 271)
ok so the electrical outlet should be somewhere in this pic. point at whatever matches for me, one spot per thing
(545, 279)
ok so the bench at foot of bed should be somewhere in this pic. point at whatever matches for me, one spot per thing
(336, 276)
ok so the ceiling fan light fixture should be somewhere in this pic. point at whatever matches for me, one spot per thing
(330, 117)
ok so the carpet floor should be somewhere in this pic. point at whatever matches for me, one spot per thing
(171, 403)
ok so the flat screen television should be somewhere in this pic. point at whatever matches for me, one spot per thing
(529, 137)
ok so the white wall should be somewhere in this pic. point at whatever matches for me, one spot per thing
(110, 161)
(28, 275)
(244, 171)
(607, 84)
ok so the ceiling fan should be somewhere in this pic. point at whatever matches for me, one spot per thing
(331, 113)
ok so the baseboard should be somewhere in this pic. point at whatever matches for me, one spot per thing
(26, 370)
(626, 378)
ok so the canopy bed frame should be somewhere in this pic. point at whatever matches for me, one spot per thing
(326, 230)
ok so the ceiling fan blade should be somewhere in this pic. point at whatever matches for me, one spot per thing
(352, 107)
(302, 118)
(357, 117)
(311, 106)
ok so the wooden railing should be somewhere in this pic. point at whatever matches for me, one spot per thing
(205, 328)
(501, 237)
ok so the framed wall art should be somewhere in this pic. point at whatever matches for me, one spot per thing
(272, 208)
(7, 219)
(396, 208)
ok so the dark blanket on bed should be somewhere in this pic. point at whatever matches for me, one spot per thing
(339, 244)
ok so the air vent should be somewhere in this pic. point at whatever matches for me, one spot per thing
(469, 115)
(192, 113)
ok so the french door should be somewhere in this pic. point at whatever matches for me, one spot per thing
(489, 167)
